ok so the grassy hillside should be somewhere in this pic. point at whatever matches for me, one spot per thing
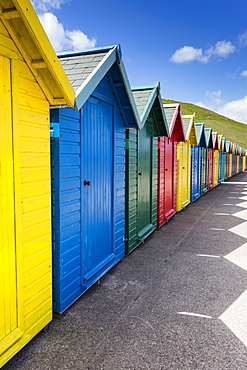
(232, 130)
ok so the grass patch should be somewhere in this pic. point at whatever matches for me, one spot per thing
(232, 130)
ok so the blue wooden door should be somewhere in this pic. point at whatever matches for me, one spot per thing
(195, 172)
(220, 167)
(97, 187)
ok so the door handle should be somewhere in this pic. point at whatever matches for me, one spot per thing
(86, 183)
(139, 173)
(166, 169)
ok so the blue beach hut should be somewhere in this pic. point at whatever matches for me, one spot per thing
(220, 145)
(198, 163)
(88, 172)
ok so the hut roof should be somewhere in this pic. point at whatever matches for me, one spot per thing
(223, 144)
(85, 70)
(148, 101)
(189, 129)
(174, 121)
(228, 146)
(200, 132)
(209, 137)
(22, 23)
(215, 140)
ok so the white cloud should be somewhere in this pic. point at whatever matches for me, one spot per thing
(79, 40)
(46, 5)
(223, 49)
(188, 54)
(214, 98)
(236, 109)
(62, 39)
(242, 39)
(201, 104)
(244, 73)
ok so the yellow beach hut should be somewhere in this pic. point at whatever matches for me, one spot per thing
(184, 162)
(31, 79)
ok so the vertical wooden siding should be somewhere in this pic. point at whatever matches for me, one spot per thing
(183, 175)
(31, 170)
(203, 170)
(132, 188)
(68, 189)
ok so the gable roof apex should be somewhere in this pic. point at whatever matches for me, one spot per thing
(174, 121)
(190, 130)
(23, 25)
(148, 99)
(85, 69)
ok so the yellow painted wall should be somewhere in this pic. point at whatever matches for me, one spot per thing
(216, 167)
(25, 209)
(230, 165)
(244, 163)
(183, 175)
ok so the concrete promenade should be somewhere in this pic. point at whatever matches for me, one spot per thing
(179, 301)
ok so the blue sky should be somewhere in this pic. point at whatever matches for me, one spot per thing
(197, 50)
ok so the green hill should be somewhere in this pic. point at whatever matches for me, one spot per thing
(232, 130)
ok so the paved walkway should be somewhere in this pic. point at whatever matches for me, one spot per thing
(179, 301)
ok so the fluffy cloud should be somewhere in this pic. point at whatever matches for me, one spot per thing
(63, 39)
(213, 100)
(236, 109)
(223, 49)
(214, 97)
(188, 54)
(244, 74)
(242, 39)
(46, 5)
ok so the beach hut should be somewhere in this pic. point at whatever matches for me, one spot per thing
(167, 163)
(239, 160)
(184, 162)
(220, 157)
(233, 159)
(224, 158)
(142, 166)
(198, 164)
(243, 160)
(229, 159)
(88, 172)
(236, 157)
(216, 158)
(210, 159)
(31, 80)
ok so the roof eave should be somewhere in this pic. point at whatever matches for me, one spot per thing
(48, 61)
(191, 129)
(92, 81)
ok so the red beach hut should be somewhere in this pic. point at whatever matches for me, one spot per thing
(167, 170)
(209, 138)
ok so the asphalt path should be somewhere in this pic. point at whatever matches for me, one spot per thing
(178, 301)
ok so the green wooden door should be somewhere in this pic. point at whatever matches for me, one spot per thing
(144, 187)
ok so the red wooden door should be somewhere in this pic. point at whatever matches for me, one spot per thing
(166, 207)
